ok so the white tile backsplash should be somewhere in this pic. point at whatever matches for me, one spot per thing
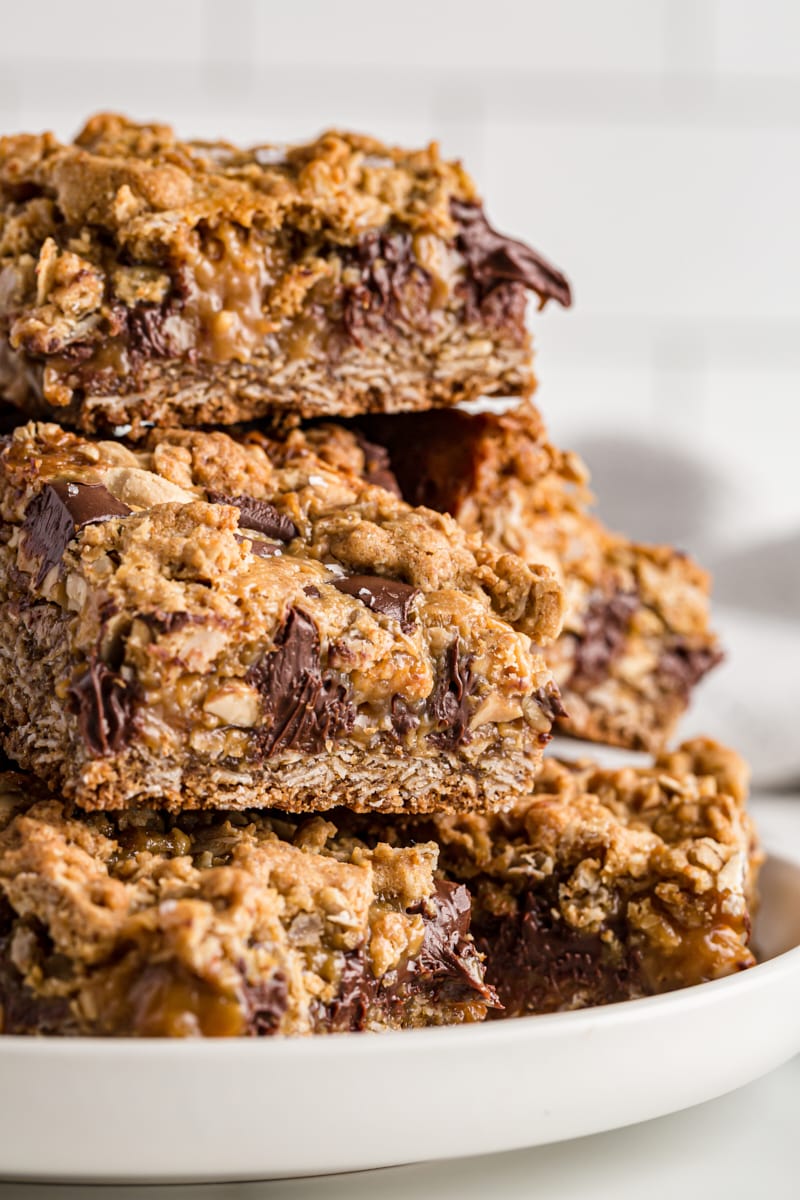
(757, 37)
(651, 148)
(675, 222)
(573, 35)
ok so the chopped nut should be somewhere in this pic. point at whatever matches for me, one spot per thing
(236, 704)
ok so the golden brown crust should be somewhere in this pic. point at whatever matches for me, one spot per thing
(146, 186)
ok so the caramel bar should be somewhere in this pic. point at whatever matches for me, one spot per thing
(146, 280)
(221, 925)
(204, 623)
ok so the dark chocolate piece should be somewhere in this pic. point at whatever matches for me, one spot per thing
(448, 965)
(259, 515)
(494, 259)
(57, 513)
(303, 707)
(403, 719)
(22, 1011)
(549, 700)
(104, 704)
(377, 466)
(89, 503)
(538, 963)
(387, 596)
(265, 1003)
(681, 666)
(449, 700)
(605, 629)
(148, 332)
(259, 548)
(168, 622)
(393, 289)
(448, 962)
(357, 991)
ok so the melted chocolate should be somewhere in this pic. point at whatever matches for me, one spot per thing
(387, 596)
(494, 259)
(148, 335)
(57, 513)
(303, 706)
(22, 1011)
(682, 666)
(259, 515)
(449, 702)
(170, 622)
(448, 964)
(605, 624)
(264, 1004)
(448, 968)
(403, 719)
(358, 989)
(377, 466)
(259, 548)
(393, 289)
(539, 963)
(549, 700)
(104, 705)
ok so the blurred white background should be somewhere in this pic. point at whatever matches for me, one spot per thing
(651, 148)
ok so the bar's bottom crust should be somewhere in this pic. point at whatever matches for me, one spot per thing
(390, 374)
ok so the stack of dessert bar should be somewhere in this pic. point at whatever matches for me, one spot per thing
(284, 632)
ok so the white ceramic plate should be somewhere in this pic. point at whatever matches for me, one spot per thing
(126, 1111)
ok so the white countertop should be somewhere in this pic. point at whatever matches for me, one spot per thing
(741, 1145)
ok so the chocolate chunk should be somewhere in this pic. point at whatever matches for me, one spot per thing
(387, 596)
(264, 1004)
(605, 627)
(447, 956)
(89, 503)
(46, 532)
(682, 665)
(393, 289)
(104, 704)
(22, 1011)
(259, 548)
(169, 622)
(377, 466)
(448, 967)
(539, 963)
(57, 513)
(494, 259)
(148, 335)
(303, 706)
(449, 702)
(259, 515)
(549, 700)
(358, 989)
(403, 719)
